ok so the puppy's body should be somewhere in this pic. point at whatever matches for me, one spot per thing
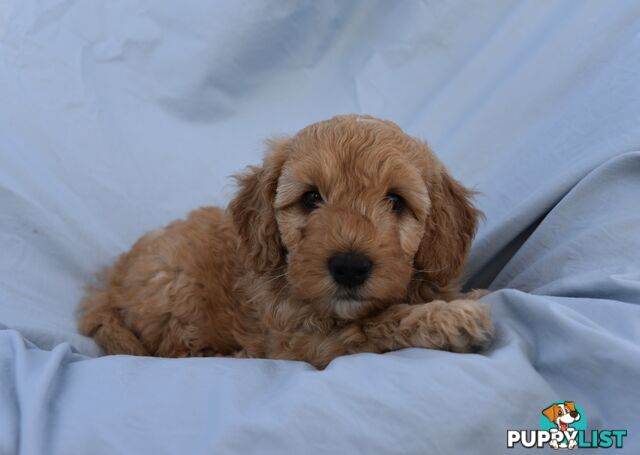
(348, 239)
(175, 299)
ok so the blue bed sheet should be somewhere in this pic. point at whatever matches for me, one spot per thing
(117, 117)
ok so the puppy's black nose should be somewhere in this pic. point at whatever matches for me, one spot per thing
(573, 414)
(350, 269)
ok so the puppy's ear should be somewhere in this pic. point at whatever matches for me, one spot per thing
(449, 230)
(252, 209)
(571, 405)
(551, 413)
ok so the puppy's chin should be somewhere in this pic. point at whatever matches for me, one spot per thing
(351, 305)
(337, 305)
(351, 309)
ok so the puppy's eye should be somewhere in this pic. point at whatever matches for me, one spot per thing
(397, 203)
(311, 200)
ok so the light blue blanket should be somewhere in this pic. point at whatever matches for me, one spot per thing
(119, 116)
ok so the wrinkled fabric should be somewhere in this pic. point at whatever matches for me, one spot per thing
(117, 117)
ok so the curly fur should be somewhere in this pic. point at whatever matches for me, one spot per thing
(253, 281)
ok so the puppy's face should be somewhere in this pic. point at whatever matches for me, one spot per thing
(351, 205)
(355, 206)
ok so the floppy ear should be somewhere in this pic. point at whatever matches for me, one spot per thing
(449, 230)
(253, 213)
(551, 413)
(571, 405)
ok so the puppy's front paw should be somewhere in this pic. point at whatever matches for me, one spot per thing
(475, 294)
(458, 326)
(467, 325)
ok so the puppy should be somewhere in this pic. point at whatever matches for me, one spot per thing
(349, 238)
(563, 415)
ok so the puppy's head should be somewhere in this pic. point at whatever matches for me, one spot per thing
(354, 214)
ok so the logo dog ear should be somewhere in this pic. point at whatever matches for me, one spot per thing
(551, 413)
(252, 209)
(571, 405)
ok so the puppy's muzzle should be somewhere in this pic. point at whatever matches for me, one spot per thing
(350, 269)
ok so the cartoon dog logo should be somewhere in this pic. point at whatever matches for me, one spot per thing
(563, 415)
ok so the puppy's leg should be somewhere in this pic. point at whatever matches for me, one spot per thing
(458, 326)
(195, 327)
(102, 321)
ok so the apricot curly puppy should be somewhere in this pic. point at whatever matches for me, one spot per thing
(349, 238)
